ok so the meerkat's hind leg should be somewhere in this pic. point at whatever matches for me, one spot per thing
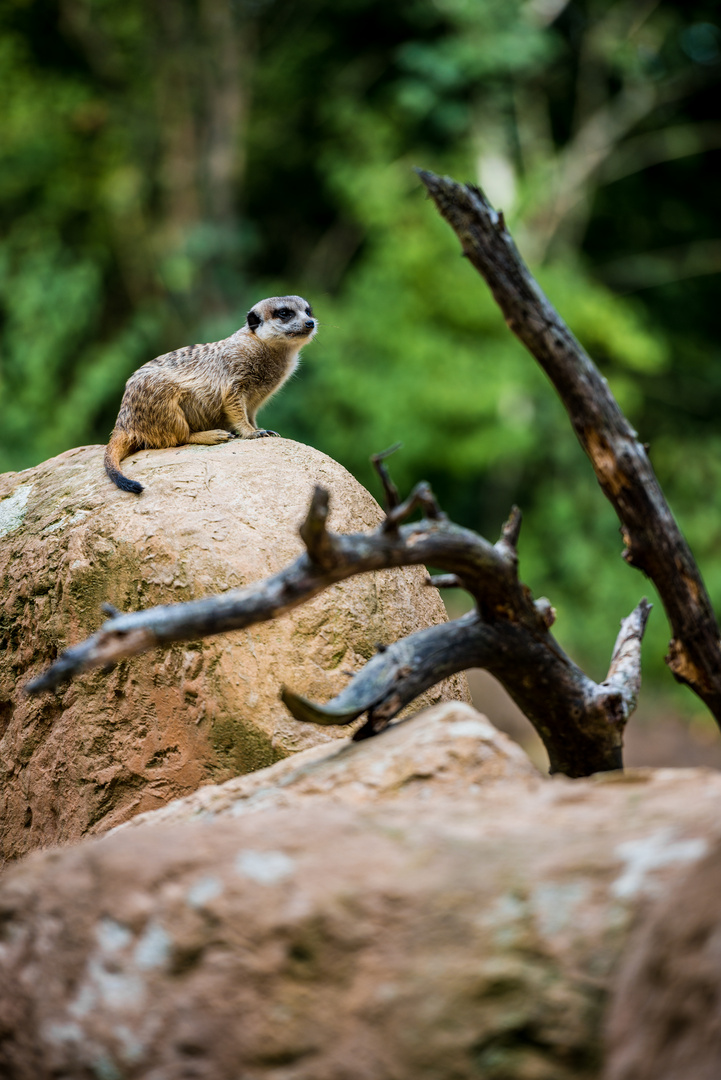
(178, 430)
(211, 438)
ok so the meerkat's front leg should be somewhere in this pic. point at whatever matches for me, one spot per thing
(237, 412)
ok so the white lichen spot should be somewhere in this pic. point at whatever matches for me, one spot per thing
(265, 867)
(107, 982)
(131, 1049)
(59, 1034)
(65, 522)
(507, 919)
(642, 857)
(14, 508)
(112, 936)
(105, 1068)
(84, 1002)
(204, 890)
(113, 988)
(153, 949)
(554, 905)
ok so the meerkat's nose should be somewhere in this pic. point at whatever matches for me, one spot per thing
(309, 324)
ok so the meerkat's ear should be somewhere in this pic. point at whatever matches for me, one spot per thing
(254, 320)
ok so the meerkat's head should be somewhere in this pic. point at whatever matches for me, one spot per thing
(282, 318)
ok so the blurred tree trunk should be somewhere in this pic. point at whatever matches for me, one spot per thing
(186, 138)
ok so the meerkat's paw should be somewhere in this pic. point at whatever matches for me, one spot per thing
(211, 438)
(263, 433)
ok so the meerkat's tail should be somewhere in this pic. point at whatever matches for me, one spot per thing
(121, 444)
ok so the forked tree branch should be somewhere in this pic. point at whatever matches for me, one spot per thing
(654, 543)
(580, 722)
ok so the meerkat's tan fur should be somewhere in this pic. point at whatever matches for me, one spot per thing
(210, 393)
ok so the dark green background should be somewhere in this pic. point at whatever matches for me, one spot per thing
(166, 163)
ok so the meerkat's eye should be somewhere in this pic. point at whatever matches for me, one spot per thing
(309, 311)
(284, 313)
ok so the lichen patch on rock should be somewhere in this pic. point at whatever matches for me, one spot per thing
(13, 508)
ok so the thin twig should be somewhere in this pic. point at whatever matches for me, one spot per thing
(314, 532)
(392, 498)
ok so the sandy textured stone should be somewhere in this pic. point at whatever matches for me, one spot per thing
(436, 932)
(159, 726)
(449, 747)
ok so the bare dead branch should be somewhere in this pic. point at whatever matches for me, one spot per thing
(401, 671)
(546, 610)
(510, 532)
(580, 722)
(654, 542)
(445, 581)
(421, 498)
(392, 498)
(624, 673)
(110, 609)
(331, 558)
(313, 531)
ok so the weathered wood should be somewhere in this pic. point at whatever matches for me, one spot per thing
(653, 541)
(580, 722)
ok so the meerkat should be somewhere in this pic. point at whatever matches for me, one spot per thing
(210, 393)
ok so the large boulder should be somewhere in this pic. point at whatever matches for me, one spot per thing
(665, 1017)
(211, 519)
(461, 917)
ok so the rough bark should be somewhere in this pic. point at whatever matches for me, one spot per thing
(654, 543)
(581, 722)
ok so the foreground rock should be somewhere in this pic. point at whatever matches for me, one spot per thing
(665, 1020)
(465, 927)
(160, 725)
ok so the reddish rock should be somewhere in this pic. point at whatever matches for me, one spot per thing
(160, 725)
(447, 748)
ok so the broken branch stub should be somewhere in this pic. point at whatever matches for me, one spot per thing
(390, 491)
(654, 542)
(313, 531)
(581, 722)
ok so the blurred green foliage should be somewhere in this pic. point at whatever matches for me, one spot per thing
(163, 166)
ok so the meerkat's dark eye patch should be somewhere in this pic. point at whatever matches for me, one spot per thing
(254, 319)
(309, 311)
(283, 313)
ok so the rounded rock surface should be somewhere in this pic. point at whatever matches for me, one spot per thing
(441, 933)
(160, 725)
